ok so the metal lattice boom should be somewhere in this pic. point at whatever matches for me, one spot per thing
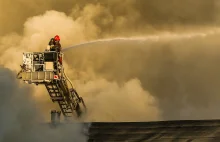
(46, 68)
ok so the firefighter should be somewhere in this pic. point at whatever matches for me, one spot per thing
(57, 46)
(57, 43)
(50, 44)
(54, 44)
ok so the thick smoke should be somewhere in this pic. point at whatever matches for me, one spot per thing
(166, 73)
(21, 120)
(181, 74)
(108, 101)
(35, 29)
(112, 17)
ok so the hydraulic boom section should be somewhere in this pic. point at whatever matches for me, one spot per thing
(46, 68)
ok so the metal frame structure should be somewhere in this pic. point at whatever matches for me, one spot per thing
(46, 68)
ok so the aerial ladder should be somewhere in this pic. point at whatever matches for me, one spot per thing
(46, 68)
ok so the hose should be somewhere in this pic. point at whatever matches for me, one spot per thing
(22, 69)
(70, 83)
(19, 74)
(68, 79)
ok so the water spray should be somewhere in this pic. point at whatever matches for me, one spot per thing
(165, 36)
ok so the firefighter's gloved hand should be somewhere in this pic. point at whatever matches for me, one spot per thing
(48, 48)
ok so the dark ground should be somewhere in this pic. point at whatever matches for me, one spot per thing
(158, 131)
(167, 131)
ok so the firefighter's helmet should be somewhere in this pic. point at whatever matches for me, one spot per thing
(57, 38)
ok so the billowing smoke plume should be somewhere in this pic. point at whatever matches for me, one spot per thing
(181, 74)
(109, 101)
(21, 120)
(112, 17)
(166, 78)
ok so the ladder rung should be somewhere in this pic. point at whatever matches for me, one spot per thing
(55, 94)
(53, 90)
(57, 98)
(68, 111)
(66, 106)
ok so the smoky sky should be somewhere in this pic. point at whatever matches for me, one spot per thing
(175, 77)
(113, 16)
(182, 74)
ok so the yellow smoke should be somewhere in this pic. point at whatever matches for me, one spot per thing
(106, 71)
